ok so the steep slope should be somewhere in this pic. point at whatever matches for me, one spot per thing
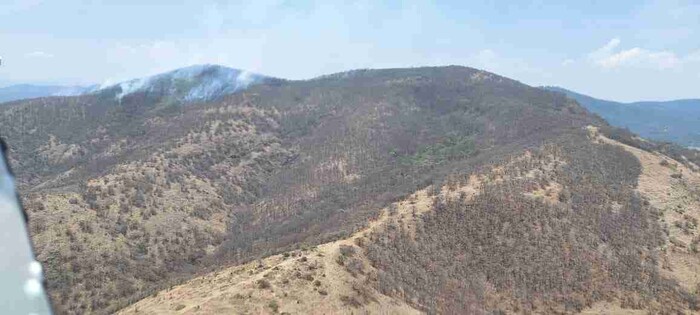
(106, 183)
(558, 240)
(677, 121)
(546, 231)
(673, 188)
(329, 278)
(25, 91)
(128, 195)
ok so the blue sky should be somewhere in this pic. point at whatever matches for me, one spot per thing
(620, 50)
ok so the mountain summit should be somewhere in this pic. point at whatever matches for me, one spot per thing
(189, 84)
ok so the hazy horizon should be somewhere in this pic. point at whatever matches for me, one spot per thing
(622, 51)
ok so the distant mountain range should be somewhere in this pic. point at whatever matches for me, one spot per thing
(25, 91)
(677, 121)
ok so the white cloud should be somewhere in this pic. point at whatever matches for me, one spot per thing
(641, 57)
(624, 72)
(604, 51)
(611, 45)
(567, 62)
(39, 54)
(609, 58)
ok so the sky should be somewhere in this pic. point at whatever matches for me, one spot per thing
(619, 50)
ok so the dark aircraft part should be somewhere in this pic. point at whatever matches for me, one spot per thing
(21, 277)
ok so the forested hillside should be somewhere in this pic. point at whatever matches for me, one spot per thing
(596, 229)
(128, 196)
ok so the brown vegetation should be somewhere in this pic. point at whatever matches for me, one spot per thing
(501, 251)
(127, 197)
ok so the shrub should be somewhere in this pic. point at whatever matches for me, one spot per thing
(347, 250)
(85, 227)
(355, 266)
(350, 301)
(274, 306)
(202, 212)
(263, 284)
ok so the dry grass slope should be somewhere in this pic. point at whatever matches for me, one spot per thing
(331, 278)
(674, 189)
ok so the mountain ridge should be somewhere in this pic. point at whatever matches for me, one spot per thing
(129, 196)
